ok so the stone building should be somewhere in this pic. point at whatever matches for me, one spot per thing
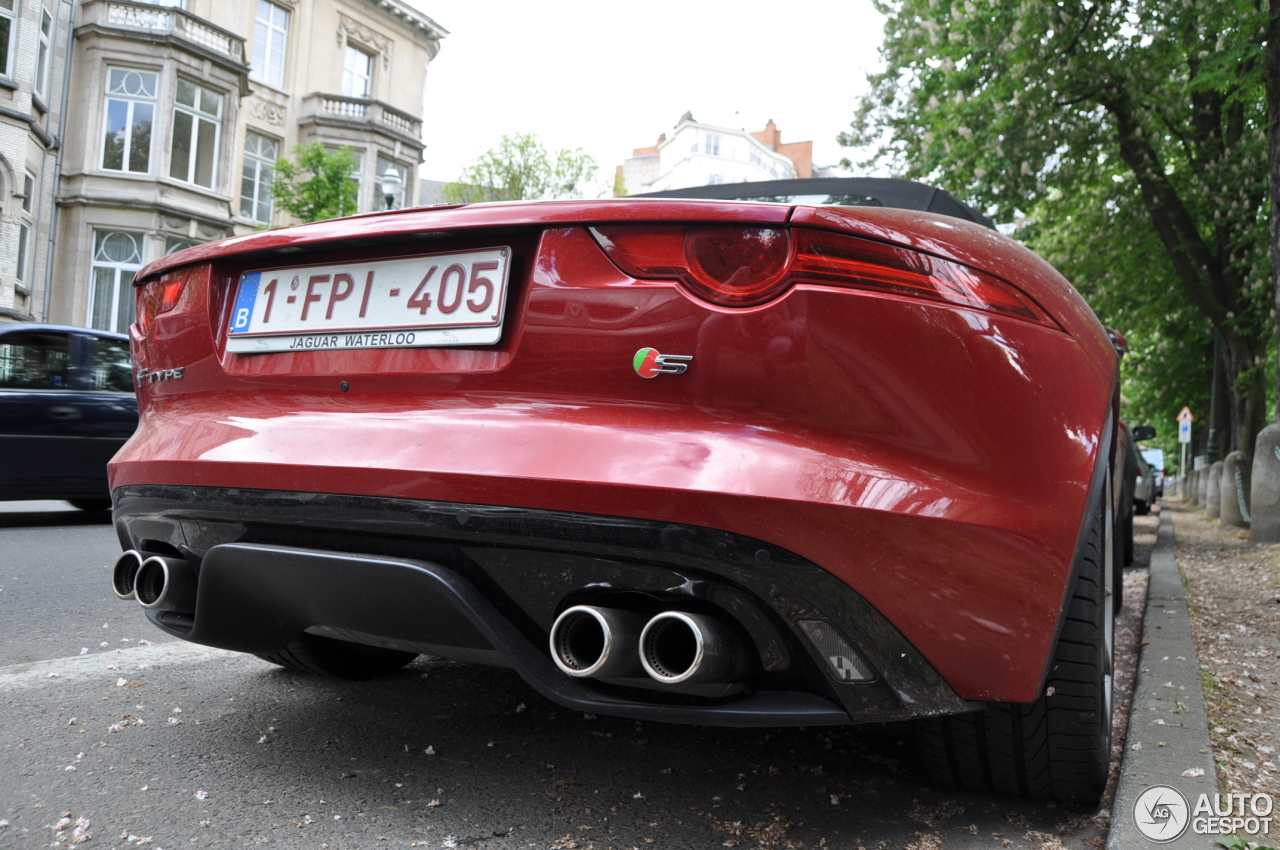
(181, 108)
(33, 49)
(700, 154)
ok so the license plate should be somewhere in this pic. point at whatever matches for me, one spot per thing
(410, 302)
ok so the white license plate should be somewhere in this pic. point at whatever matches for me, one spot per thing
(435, 300)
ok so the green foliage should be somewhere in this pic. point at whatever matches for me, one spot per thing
(328, 190)
(1235, 842)
(1132, 137)
(520, 168)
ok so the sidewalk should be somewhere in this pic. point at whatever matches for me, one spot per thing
(1233, 591)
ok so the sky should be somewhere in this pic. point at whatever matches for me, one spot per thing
(609, 77)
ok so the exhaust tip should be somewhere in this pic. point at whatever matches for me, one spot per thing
(124, 576)
(672, 647)
(165, 584)
(677, 648)
(580, 641)
(589, 641)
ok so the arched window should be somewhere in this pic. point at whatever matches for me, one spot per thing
(117, 257)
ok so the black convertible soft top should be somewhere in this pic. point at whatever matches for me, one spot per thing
(844, 191)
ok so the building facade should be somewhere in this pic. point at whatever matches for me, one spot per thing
(700, 154)
(34, 40)
(181, 108)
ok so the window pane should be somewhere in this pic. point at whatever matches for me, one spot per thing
(6, 26)
(37, 361)
(140, 138)
(180, 156)
(248, 181)
(113, 145)
(113, 246)
(356, 72)
(140, 84)
(42, 59)
(276, 58)
(104, 281)
(125, 303)
(110, 369)
(210, 102)
(206, 153)
(270, 29)
(23, 233)
(265, 176)
(186, 93)
(255, 181)
(258, 62)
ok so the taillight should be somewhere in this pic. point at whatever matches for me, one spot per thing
(840, 260)
(728, 265)
(745, 266)
(157, 297)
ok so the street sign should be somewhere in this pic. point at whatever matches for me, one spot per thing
(1184, 431)
(1185, 415)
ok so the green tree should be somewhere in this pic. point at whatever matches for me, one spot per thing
(520, 168)
(1035, 106)
(328, 190)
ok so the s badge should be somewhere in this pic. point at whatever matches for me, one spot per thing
(648, 363)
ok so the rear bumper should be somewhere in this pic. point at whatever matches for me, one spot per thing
(489, 580)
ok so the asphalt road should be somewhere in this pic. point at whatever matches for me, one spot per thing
(189, 747)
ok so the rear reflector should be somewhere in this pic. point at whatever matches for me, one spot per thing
(745, 266)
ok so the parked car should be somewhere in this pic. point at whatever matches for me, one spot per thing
(714, 462)
(1155, 459)
(1144, 492)
(66, 406)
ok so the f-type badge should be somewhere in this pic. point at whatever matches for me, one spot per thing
(648, 363)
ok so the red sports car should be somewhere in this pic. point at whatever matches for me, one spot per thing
(715, 462)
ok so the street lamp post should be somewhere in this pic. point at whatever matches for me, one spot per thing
(391, 183)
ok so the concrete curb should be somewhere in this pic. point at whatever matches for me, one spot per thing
(1168, 689)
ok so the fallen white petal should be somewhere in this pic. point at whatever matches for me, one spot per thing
(1193, 771)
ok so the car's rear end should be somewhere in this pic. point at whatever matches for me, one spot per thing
(794, 441)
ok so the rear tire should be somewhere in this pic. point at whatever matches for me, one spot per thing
(340, 659)
(1141, 507)
(1058, 747)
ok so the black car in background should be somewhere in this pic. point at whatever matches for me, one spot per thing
(66, 407)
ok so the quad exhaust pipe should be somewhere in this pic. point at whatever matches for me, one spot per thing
(673, 648)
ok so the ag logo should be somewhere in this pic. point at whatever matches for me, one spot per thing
(648, 363)
(1161, 813)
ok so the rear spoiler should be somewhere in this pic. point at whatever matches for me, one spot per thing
(847, 191)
